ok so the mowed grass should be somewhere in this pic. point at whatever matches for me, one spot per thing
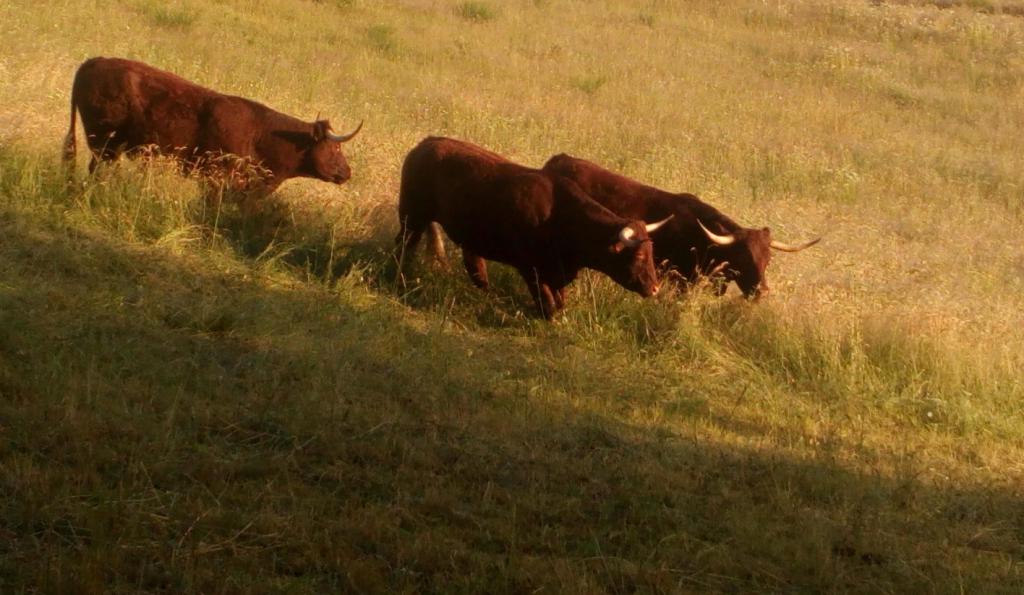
(195, 402)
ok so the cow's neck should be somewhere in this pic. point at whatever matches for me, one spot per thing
(282, 144)
(586, 232)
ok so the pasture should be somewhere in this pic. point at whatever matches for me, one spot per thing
(196, 402)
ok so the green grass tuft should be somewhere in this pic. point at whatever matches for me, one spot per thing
(171, 16)
(383, 39)
(589, 84)
(476, 11)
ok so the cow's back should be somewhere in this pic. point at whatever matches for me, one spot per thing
(127, 103)
(484, 202)
(625, 197)
(631, 199)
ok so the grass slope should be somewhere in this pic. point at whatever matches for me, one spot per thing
(193, 402)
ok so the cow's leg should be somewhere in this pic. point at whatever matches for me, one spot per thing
(101, 156)
(103, 147)
(559, 296)
(254, 196)
(409, 234)
(413, 218)
(543, 298)
(415, 214)
(98, 155)
(437, 243)
(254, 203)
(408, 237)
(476, 267)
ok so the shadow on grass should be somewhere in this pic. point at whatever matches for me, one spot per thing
(168, 427)
(325, 251)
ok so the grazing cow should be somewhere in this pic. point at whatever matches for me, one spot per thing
(541, 224)
(127, 105)
(699, 239)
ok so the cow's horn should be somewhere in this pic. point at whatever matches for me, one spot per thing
(626, 236)
(791, 247)
(714, 237)
(344, 138)
(653, 227)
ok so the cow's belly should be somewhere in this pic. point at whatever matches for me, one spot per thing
(491, 243)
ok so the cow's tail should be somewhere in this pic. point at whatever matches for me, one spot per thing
(69, 140)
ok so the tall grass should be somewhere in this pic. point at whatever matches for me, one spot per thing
(194, 401)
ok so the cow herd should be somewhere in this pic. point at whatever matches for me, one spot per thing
(547, 223)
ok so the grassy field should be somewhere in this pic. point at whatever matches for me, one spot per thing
(194, 402)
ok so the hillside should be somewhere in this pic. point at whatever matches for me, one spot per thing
(193, 401)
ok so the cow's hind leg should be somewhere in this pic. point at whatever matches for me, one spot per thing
(437, 243)
(414, 216)
(476, 267)
(416, 212)
(409, 234)
(101, 157)
(102, 151)
(542, 295)
(98, 156)
(559, 298)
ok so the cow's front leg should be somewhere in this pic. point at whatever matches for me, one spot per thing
(541, 293)
(476, 267)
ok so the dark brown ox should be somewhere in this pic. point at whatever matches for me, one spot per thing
(699, 240)
(541, 224)
(127, 105)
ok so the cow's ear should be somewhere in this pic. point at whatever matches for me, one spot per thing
(617, 247)
(320, 129)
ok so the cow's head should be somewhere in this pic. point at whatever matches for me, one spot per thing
(631, 258)
(324, 159)
(743, 255)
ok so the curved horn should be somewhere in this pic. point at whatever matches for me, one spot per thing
(626, 236)
(793, 248)
(653, 227)
(720, 240)
(344, 138)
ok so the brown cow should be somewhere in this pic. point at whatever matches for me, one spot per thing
(127, 105)
(541, 224)
(699, 239)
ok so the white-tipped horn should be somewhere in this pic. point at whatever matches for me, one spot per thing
(793, 248)
(653, 227)
(344, 138)
(714, 237)
(626, 236)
